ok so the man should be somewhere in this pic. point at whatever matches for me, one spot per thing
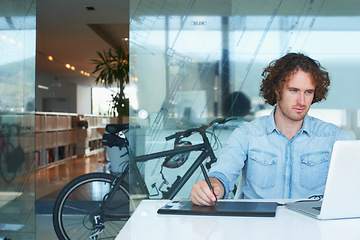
(283, 155)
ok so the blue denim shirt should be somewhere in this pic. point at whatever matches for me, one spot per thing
(273, 166)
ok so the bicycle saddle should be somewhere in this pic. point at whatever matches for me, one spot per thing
(115, 128)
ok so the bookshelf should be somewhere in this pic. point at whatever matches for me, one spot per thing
(55, 137)
(58, 137)
(89, 140)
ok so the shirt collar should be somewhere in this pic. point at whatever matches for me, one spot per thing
(306, 125)
(271, 126)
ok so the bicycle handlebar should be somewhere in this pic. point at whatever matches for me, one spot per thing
(188, 132)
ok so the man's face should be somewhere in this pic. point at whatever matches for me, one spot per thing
(296, 96)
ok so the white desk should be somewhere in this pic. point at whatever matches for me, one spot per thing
(146, 224)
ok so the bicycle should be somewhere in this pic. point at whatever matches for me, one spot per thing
(11, 158)
(93, 205)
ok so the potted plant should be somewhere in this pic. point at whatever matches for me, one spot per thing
(113, 69)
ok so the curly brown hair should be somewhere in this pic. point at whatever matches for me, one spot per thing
(278, 72)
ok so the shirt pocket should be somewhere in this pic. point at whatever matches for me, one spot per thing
(261, 169)
(314, 168)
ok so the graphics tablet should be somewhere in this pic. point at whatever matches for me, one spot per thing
(222, 208)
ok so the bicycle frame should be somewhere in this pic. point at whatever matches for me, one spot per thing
(205, 148)
(114, 186)
(99, 216)
(207, 151)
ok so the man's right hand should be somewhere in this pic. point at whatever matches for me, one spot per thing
(201, 194)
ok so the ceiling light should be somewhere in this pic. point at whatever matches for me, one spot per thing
(50, 58)
(126, 39)
(67, 65)
(72, 68)
(43, 87)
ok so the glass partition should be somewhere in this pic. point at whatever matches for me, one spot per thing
(17, 107)
(192, 61)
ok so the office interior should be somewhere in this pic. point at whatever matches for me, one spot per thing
(190, 62)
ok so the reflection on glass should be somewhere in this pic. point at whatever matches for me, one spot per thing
(17, 106)
(193, 63)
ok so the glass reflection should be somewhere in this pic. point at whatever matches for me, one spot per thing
(196, 60)
(17, 101)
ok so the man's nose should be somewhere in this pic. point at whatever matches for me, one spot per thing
(301, 99)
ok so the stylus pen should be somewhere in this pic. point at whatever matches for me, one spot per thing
(208, 180)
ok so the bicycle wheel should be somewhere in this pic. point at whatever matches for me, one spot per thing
(76, 213)
(7, 171)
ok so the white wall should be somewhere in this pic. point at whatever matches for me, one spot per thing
(77, 98)
(60, 90)
(83, 99)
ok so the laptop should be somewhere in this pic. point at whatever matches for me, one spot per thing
(222, 208)
(342, 191)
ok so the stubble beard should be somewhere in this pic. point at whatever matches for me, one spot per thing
(287, 114)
